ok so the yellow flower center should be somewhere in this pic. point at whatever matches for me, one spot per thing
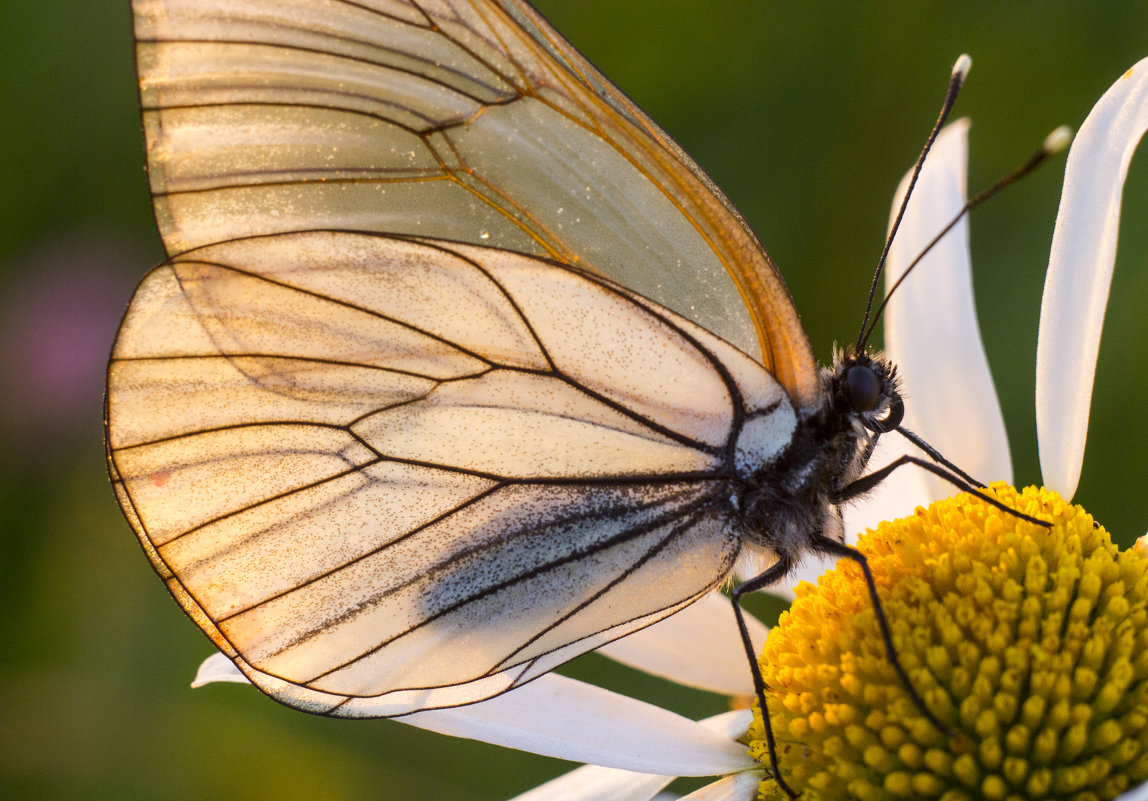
(1029, 644)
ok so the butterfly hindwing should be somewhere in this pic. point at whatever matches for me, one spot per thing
(385, 473)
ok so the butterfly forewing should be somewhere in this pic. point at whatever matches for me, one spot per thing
(467, 121)
(375, 503)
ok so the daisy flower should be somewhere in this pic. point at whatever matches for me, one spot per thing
(1025, 722)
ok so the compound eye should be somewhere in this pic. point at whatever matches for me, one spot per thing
(864, 387)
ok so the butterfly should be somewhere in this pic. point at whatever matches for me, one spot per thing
(459, 366)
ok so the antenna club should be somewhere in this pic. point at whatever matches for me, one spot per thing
(1058, 140)
(962, 67)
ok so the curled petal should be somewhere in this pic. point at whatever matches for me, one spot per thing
(1080, 273)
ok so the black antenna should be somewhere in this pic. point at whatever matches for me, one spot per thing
(1054, 143)
(956, 80)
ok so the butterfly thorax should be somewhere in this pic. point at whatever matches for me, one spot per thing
(794, 498)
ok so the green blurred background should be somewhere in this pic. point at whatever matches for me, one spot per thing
(807, 114)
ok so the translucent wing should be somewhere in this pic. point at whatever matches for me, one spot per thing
(387, 474)
(470, 121)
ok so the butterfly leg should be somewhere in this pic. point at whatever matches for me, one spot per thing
(868, 482)
(833, 548)
(936, 456)
(774, 573)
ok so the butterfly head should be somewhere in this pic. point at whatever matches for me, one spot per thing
(863, 387)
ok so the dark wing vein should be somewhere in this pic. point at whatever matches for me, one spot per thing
(373, 552)
(576, 555)
(338, 302)
(689, 519)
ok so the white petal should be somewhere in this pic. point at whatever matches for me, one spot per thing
(739, 787)
(560, 717)
(1135, 794)
(218, 667)
(594, 783)
(699, 647)
(731, 724)
(1080, 272)
(931, 330)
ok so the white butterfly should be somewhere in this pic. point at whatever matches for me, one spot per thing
(425, 400)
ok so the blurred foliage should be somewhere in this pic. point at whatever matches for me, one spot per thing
(806, 114)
